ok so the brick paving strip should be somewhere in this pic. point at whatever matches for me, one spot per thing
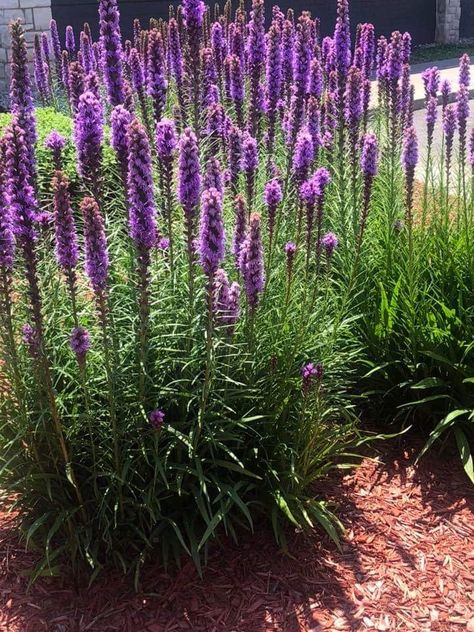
(407, 563)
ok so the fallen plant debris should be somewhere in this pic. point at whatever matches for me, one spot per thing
(407, 563)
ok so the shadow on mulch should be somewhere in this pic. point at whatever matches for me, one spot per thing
(405, 564)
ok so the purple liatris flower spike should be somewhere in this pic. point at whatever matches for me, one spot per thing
(88, 136)
(97, 259)
(41, 71)
(303, 154)
(20, 90)
(67, 252)
(80, 343)
(111, 47)
(449, 127)
(329, 242)
(157, 419)
(316, 80)
(251, 262)
(7, 239)
(88, 59)
(157, 84)
(353, 99)
(211, 234)
(77, 84)
(213, 178)
(166, 139)
(462, 111)
(120, 119)
(272, 196)
(395, 57)
(464, 71)
(193, 11)
(250, 164)
(176, 56)
(237, 91)
(136, 70)
(431, 115)
(20, 194)
(409, 162)
(369, 157)
(406, 47)
(189, 175)
(445, 89)
(431, 79)
(56, 43)
(142, 211)
(342, 39)
(70, 42)
(55, 142)
(240, 229)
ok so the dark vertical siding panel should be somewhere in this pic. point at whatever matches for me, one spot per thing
(467, 19)
(416, 16)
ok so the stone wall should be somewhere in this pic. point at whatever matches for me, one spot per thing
(448, 14)
(36, 15)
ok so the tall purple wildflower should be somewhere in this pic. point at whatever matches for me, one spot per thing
(67, 252)
(256, 60)
(111, 47)
(7, 239)
(462, 111)
(409, 162)
(250, 164)
(88, 59)
(272, 197)
(316, 79)
(70, 41)
(368, 165)
(342, 41)
(431, 115)
(41, 72)
(189, 176)
(20, 90)
(157, 84)
(55, 142)
(211, 232)
(431, 79)
(464, 71)
(251, 262)
(213, 177)
(142, 211)
(120, 119)
(288, 56)
(77, 83)
(237, 90)
(56, 43)
(450, 122)
(303, 155)
(80, 343)
(88, 136)
(193, 11)
(97, 259)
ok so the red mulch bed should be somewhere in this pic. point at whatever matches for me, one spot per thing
(407, 564)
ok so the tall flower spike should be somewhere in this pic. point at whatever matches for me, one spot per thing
(88, 135)
(70, 42)
(211, 234)
(213, 177)
(120, 119)
(67, 252)
(157, 84)
(20, 90)
(189, 175)
(303, 155)
(97, 259)
(409, 162)
(55, 142)
(56, 43)
(142, 211)
(368, 164)
(111, 47)
(272, 196)
(251, 262)
(80, 343)
(7, 239)
(464, 71)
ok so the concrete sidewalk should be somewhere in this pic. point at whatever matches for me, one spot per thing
(449, 69)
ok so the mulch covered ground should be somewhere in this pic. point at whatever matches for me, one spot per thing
(407, 564)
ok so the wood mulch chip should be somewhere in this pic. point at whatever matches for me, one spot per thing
(407, 563)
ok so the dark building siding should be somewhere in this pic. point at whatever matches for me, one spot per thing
(466, 27)
(416, 16)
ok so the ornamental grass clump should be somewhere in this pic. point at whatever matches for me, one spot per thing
(189, 241)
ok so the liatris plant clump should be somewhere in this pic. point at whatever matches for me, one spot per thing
(198, 214)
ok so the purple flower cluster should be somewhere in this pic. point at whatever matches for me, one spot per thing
(211, 234)
(80, 343)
